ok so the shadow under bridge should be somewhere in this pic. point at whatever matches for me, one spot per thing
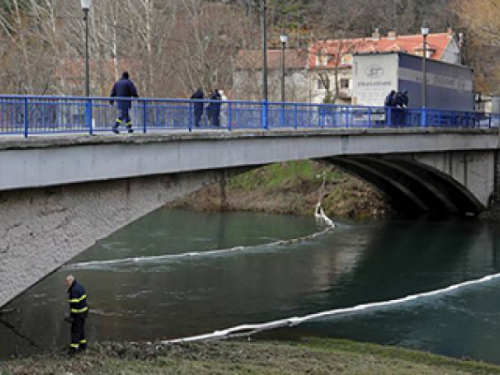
(411, 187)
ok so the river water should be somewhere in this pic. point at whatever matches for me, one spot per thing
(177, 273)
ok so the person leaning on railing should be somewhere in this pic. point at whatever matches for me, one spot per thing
(390, 104)
(402, 101)
(124, 88)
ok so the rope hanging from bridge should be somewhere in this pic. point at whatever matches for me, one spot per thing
(319, 213)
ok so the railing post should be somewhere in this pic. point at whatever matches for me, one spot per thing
(346, 117)
(369, 117)
(424, 117)
(229, 117)
(263, 117)
(321, 118)
(144, 117)
(283, 115)
(26, 113)
(190, 116)
(88, 116)
(388, 116)
(295, 116)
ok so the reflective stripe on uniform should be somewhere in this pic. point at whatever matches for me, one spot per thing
(74, 346)
(76, 300)
(83, 341)
(79, 311)
(118, 121)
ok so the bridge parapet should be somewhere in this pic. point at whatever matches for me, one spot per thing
(47, 115)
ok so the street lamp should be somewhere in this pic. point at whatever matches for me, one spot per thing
(284, 41)
(86, 9)
(425, 33)
(263, 25)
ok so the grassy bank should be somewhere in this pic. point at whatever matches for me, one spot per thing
(308, 356)
(291, 188)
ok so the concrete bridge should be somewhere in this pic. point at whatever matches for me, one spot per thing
(59, 195)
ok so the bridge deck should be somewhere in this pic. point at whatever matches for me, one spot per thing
(51, 161)
(83, 139)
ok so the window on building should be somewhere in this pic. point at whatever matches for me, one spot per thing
(344, 83)
(322, 84)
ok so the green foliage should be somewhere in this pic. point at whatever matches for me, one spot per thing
(285, 175)
(304, 356)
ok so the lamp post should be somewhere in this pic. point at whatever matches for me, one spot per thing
(263, 25)
(86, 9)
(425, 33)
(284, 41)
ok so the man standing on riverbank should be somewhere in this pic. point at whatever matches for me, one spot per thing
(78, 314)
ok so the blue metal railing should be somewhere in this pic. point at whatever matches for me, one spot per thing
(37, 115)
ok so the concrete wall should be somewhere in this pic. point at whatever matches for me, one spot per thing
(41, 229)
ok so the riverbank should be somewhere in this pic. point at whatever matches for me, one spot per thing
(306, 356)
(291, 188)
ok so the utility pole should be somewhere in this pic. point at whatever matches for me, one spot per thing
(425, 33)
(263, 24)
(86, 8)
(284, 40)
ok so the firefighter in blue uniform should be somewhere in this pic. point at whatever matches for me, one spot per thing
(124, 88)
(78, 314)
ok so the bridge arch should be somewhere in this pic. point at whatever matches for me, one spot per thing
(411, 187)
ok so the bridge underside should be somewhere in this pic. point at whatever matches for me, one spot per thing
(411, 187)
(42, 229)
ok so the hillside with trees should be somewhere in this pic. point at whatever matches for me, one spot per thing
(173, 46)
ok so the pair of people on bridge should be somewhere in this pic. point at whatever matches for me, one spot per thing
(396, 104)
(212, 110)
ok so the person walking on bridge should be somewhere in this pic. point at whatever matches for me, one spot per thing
(124, 88)
(213, 108)
(198, 106)
(78, 314)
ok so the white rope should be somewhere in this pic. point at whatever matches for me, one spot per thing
(250, 329)
(201, 254)
(319, 213)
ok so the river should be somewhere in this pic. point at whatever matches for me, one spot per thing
(178, 273)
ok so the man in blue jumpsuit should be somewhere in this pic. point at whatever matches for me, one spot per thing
(124, 88)
(78, 314)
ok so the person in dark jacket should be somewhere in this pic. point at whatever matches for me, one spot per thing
(213, 108)
(198, 106)
(390, 99)
(390, 104)
(124, 88)
(405, 100)
(78, 309)
(402, 102)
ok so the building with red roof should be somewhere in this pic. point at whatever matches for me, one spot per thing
(330, 61)
(326, 66)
